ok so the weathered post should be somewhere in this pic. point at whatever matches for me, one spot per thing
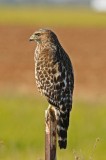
(50, 134)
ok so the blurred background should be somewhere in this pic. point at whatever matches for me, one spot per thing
(81, 28)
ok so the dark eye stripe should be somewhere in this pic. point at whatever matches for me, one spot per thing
(38, 34)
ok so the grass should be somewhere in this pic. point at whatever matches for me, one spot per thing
(51, 16)
(22, 130)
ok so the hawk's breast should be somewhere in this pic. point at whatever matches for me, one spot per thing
(44, 71)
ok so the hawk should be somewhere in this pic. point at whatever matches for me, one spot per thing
(54, 78)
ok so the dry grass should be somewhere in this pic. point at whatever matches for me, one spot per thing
(51, 16)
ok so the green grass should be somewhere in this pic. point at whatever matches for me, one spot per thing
(22, 129)
(51, 16)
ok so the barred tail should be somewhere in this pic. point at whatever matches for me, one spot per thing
(62, 126)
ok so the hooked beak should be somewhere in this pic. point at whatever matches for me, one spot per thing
(32, 38)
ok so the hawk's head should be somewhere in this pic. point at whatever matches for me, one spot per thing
(43, 36)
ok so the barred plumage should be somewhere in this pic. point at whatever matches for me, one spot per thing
(54, 78)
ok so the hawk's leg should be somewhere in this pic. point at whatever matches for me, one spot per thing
(51, 113)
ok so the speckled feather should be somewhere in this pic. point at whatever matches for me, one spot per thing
(54, 78)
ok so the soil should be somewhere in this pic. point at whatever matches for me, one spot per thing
(85, 46)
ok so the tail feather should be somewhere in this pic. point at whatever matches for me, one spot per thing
(62, 126)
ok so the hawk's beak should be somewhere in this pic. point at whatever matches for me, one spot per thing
(32, 38)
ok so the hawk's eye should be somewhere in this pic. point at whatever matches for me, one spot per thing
(38, 34)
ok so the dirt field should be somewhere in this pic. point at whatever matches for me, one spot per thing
(86, 47)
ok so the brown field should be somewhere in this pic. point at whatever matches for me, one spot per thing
(86, 47)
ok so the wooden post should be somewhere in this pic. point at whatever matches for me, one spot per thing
(50, 134)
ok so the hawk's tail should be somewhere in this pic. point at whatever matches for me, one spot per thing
(62, 126)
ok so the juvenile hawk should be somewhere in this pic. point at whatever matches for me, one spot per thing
(54, 78)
